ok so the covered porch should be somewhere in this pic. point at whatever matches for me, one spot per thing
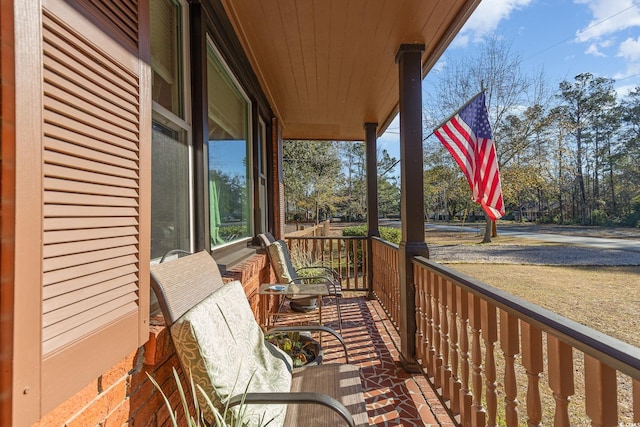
(81, 116)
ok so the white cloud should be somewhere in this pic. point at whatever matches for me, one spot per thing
(486, 18)
(630, 49)
(632, 71)
(440, 65)
(606, 43)
(623, 91)
(609, 17)
(593, 50)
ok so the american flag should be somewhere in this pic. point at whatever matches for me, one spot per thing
(467, 136)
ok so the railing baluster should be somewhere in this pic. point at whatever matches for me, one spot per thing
(431, 350)
(339, 255)
(437, 338)
(366, 266)
(454, 379)
(424, 326)
(465, 393)
(419, 314)
(490, 335)
(354, 257)
(478, 415)
(385, 274)
(347, 261)
(533, 364)
(560, 378)
(395, 290)
(445, 369)
(393, 301)
(601, 401)
(314, 249)
(331, 256)
(509, 343)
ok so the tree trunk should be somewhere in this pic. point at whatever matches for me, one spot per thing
(582, 192)
(614, 208)
(487, 231)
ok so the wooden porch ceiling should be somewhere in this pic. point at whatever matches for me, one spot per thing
(328, 66)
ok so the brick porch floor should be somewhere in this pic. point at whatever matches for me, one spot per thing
(393, 396)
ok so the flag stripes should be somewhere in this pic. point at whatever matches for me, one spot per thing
(467, 136)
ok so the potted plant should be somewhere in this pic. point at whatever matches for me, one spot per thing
(302, 349)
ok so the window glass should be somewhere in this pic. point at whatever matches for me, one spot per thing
(229, 154)
(166, 55)
(170, 213)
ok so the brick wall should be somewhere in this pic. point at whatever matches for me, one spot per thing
(124, 395)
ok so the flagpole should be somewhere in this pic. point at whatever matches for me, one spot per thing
(457, 111)
(398, 161)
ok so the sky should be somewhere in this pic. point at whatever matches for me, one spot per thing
(562, 37)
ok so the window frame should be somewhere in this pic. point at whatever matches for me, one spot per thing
(250, 141)
(168, 119)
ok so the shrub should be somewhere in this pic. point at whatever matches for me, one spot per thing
(355, 230)
(391, 235)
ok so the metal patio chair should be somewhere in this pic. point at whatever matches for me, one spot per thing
(282, 266)
(219, 343)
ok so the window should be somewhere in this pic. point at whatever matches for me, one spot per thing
(229, 155)
(166, 55)
(171, 160)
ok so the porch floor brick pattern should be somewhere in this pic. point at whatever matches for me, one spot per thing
(393, 396)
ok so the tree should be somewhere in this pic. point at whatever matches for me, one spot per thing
(353, 155)
(561, 172)
(312, 172)
(628, 158)
(388, 186)
(497, 69)
(584, 101)
(445, 187)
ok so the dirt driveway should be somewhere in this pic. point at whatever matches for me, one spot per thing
(533, 255)
(446, 247)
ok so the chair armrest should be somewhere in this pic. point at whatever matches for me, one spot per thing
(296, 397)
(311, 328)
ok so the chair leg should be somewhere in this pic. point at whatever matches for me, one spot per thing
(339, 313)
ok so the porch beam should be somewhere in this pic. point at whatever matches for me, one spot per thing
(198, 40)
(412, 244)
(277, 178)
(372, 197)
